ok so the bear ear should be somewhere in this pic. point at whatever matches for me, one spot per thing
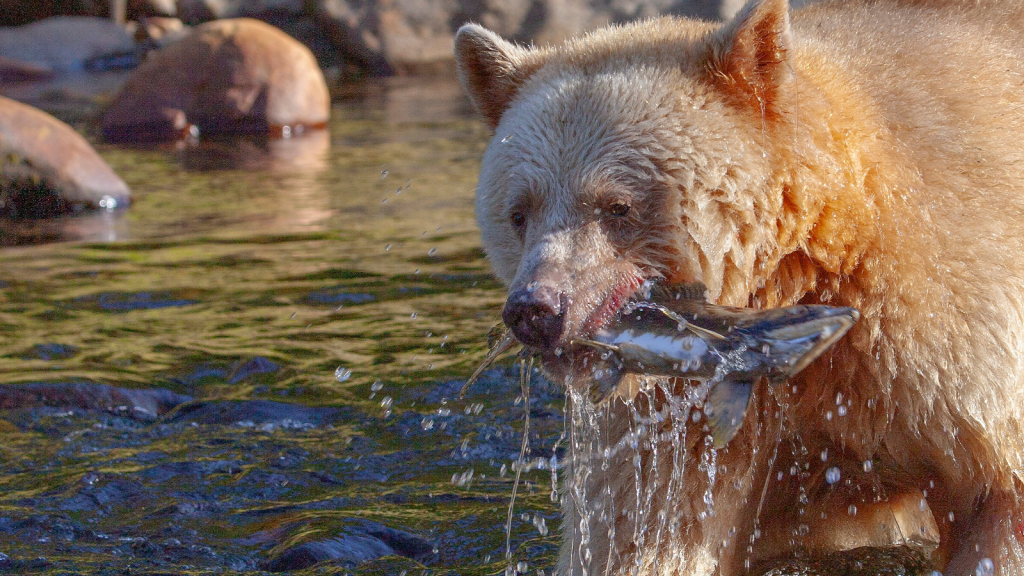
(491, 69)
(749, 57)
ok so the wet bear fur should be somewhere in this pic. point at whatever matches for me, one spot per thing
(865, 154)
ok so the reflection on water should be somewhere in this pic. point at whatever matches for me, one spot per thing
(321, 299)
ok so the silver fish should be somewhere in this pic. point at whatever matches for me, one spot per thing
(675, 332)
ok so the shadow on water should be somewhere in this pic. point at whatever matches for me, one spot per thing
(309, 308)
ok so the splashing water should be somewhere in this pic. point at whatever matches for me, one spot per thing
(524, 383)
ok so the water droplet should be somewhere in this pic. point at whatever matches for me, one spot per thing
(832, 475)
(387, 247)
(506, 139)
(952, 517)
(412, 316)
(985, 567)
(377, 386)
(828, 415)
(383, 174)
(868, 465)
(922, 505)
(427, 423)
(432, 252)
(852, 510)
(341, 374)
(108, 202)
(824, 455)
(540, 524)
(841, 411)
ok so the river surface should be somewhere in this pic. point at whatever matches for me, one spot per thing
(256, 367)
(310, 308)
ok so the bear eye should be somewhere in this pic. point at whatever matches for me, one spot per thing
(619, 209)
(518, 219)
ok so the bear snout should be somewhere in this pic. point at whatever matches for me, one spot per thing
(536, 315)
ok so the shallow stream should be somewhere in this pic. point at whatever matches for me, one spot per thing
(256, 367)
(319, 302)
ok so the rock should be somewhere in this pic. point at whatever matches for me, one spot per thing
(266, 414)
(143, 404)
(198, 11)
(12, 70)
(156, 32)
(48, 169)
(414, 36)
(66, 43)
(138, 9)
(238, 75)
(19, 12)
(362, 541)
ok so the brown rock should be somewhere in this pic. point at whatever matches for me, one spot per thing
(47, 169)
(236, 75)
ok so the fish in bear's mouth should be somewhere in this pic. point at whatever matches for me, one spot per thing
(671, 330)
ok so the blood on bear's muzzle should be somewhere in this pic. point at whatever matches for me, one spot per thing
(536, 315)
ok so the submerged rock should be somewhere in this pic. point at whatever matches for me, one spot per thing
(236, 75)
(48, 169)
(361, 542)
(143, 404)
(264, 413)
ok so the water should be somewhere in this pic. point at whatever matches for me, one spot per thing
(322, 301)
(339, 274)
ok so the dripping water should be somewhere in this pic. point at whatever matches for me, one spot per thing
(525, 370)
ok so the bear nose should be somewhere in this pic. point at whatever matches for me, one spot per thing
(535, 315)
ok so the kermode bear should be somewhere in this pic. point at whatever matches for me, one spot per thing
(862, 153)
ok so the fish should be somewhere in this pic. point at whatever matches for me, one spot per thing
(673, 331)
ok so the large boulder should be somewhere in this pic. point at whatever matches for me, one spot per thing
(48, 169)
(236, 75)
(415, 36)
(18, 12)
(66, 43)
(198, 11)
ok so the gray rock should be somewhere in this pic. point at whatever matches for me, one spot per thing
(362, 541)
(199, 11)
(48, 169)
(18, 12)
(65, 43)
(142, 404)
(413, 36)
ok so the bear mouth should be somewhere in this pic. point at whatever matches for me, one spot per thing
(573, 362)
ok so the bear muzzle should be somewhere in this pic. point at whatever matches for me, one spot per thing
(536, 315)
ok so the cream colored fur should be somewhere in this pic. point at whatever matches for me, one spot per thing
(866, 154)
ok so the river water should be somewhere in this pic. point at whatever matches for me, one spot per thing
(256, 367)
(316, 303)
